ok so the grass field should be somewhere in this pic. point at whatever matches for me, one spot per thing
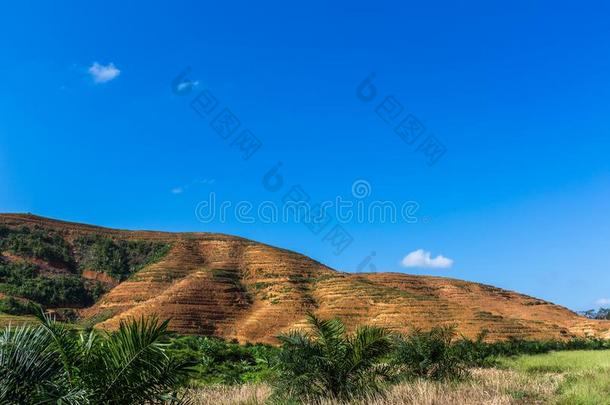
(487, 386)
(585, 374)
(14, 320)
(569, 377)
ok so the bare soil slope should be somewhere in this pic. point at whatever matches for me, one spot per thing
(232, 287)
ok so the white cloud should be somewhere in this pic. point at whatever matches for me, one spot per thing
(422, 258)
(194, 183)
(103, 74)
(187, 85)
(603, 301)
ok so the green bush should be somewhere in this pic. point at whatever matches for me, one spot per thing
(17, 273)
(475, 353)
(430, 354)
(514, 347)
(330, 363)
(13, 306)
(55, 291)
(220, 362)
(97, 290)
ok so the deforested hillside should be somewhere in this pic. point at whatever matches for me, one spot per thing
(232, 287)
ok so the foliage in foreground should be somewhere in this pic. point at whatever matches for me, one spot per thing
(319, 364)
(430, 354)
(486, 386)
(221, 362)
(141, 362)
(561, 378)
(327, 362)
(50, 363)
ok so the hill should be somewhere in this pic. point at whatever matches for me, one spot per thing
(236, 288)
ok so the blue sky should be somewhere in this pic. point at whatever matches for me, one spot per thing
(517, 94)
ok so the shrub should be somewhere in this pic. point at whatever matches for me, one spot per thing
(13, 306)
(55, 291)
(430, 354)
(475, 353)
(97, 290)
(17, 273)
(330, 363)
(221, 362)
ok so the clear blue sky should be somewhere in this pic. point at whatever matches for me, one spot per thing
(518, 94)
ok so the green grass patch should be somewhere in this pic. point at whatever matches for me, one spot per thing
(586, 374)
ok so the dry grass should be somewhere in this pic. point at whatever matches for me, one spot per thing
(247, 394)
(487, 386)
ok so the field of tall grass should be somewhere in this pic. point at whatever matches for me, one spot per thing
(561, 378)
(585, 374)
(489, 386)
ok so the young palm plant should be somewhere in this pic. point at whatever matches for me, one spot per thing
(51, 363)
(430, 354)
(327, 362)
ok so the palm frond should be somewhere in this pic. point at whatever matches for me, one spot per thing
(28, 369)
(135, 363)
(51, 364)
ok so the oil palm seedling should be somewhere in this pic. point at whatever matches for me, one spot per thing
(328, 362)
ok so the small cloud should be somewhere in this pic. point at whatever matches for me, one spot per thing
(194, 183)
(603, 301)
(205, 181)
(187, 85)
(103, 74)
(422, 258)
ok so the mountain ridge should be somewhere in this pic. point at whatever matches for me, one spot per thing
(236, 288)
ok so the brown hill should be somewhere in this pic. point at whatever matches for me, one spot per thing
(232, 287)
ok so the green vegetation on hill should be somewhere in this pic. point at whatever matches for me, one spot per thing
(36, 243)
(118, 258)
(13, 306)
(24, 283)
(24, 280)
